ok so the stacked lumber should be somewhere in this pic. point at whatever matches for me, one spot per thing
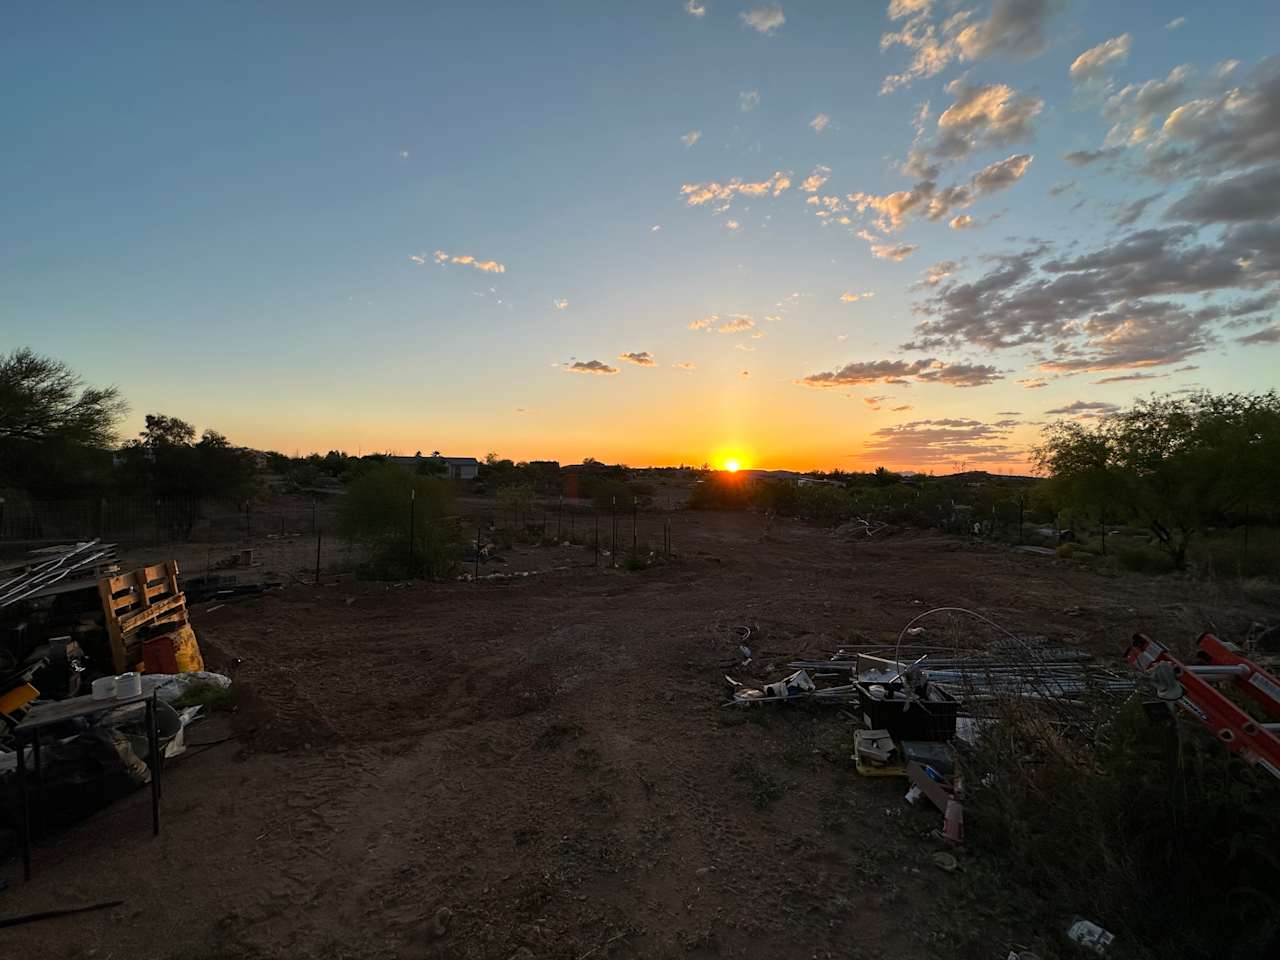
(52, 570)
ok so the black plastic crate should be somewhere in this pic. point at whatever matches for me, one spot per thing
(922, 719)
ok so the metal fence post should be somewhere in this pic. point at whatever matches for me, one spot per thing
(412, 509)
(319, 535)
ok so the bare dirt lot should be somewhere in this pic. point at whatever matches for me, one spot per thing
(541, 767)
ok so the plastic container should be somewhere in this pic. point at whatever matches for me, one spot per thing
(129, 685)
(932, 719)
(104, 688)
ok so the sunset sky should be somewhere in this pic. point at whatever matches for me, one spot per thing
(798, 234)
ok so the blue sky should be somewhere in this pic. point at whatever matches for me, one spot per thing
(217, 208)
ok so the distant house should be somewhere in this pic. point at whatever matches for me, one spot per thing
(456, 468)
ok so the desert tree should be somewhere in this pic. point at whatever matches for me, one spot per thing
(1175, 464)
(43, 399)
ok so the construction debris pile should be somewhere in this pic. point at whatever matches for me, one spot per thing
(81, 637)
(921, 706)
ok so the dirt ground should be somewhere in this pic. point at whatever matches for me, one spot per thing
(541, 767)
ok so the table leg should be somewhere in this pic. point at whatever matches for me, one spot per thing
(153, 735)
(26, 808)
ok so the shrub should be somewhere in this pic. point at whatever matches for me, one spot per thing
(1144, 560)
(377, 511)
(1151, 829)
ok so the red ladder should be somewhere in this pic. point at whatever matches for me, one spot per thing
(1190, 685)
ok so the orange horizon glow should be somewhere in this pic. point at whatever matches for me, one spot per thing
(732, 465)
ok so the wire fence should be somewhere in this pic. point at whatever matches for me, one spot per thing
(302, 538)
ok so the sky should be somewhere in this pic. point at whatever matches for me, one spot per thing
(799, 234)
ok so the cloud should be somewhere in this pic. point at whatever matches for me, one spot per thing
(1120, 306)
(1250, 196)
(1083, 158)
(695, 8)
(704, 323)
(900, 372)
(1269, 334)
(945, 440)
(692, 137)
(765, 19)
(642, 359)
(814, 181)
(655, 228)
(748, 100)
(1033, 383)
(888, 251)
(732, 225)
(926, 198)
(848, 297)
(560, 304)
(1130, 377)
(591, 366)
(697, 194)
(745, 373)
(1136, 110)
(404, 154)
(820, 122)
(902, 408)
(934, 275)
(685, 365)
(1175, 23)
(962, 222)
(874, 402)
(1084, 410)
(745, 347)
(736, 323)
(982, 116)
(1094, 64)
(1129, 213)
(1061, 187)
(466, 260)
(1015, 28)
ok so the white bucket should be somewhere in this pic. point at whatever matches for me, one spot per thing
(129, 685)
(104, 688)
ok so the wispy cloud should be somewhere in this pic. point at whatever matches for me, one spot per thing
(765, 19)
(560, 304)
(962, 222)
(642, 358)
(814, 181)
(732, 225)
(466, 260)
(1093, 66)
(695, 8)
(901, 372)
(982, 116)
(748, 100)
(591, 366)
(927, 199)
(1014, 29)
(685, 365)
(736, 323)
(820, 122)
(956, 439)
(849, 297)
(1175, 23)
(883, 250)
(1033, 383)
(1084, 410)
(697, 194)
(692, 137)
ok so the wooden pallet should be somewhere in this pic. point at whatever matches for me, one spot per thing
(138, 599)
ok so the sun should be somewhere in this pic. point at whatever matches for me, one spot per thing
(732, 465)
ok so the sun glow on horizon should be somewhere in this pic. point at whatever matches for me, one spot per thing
(732, 465)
